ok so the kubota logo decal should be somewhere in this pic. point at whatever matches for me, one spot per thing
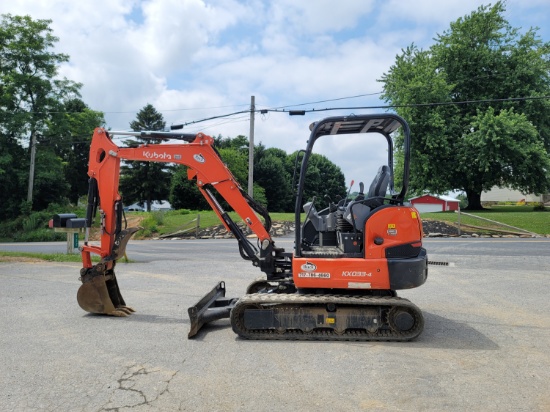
(154, 155)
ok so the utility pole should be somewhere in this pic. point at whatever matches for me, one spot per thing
(31, 171)
(251, 148)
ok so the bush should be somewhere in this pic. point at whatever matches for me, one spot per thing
(40, 235)
(143, 233)
(178, 212)
(158, 217)
(33, 226)
(539, 207)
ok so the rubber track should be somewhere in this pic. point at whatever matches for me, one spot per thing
(384, 333)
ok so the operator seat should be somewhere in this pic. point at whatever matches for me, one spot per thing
(379, 185)
(362, 209)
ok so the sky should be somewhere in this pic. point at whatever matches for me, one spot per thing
(196, 59)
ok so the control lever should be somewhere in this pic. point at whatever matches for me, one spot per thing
(332, 207)
(349, 191)
(361, 195)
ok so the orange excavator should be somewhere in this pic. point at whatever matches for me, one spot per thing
(349, 258)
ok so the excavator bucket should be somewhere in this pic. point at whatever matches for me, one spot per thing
(99, 292)
(213, 306)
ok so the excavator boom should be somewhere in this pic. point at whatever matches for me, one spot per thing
(99, 292)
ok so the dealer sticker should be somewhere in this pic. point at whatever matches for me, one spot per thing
(308, 267)
(318, 275)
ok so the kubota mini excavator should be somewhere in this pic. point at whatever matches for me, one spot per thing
(349, 258)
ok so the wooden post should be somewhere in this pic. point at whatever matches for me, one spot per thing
(72, 237)
(459, 232)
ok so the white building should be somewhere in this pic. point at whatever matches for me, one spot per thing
(505, 194)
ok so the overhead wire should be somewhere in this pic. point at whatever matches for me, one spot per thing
(433, 104)
(283, 109)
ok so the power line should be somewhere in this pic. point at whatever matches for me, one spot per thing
(395, 106)
(434, 104)
(391, 106)
(328, 100)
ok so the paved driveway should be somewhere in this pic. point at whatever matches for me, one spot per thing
(485, 345)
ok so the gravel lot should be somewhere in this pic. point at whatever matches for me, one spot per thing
(485, 345)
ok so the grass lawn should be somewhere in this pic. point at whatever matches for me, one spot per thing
(50, 257)
(518, 216)
(174, 221)
(159, 223)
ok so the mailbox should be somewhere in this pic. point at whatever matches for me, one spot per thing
(76, 223)
(60, 220)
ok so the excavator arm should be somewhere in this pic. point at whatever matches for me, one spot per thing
(99, 292)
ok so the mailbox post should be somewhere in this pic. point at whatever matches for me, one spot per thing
(70, 224)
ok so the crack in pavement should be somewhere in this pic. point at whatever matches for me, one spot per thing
(138, 386)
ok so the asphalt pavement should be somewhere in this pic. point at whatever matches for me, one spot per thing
(484, 347)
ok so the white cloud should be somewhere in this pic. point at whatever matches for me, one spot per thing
(194, 59)
(429, 11)
(320, 16)
(174, 30)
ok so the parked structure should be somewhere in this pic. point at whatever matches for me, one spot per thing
(505, 194)
(433, 203)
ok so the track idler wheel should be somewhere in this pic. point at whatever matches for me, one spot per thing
(401, 320)
(99, 292)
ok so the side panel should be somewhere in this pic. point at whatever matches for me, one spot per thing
(390, 227)
(342, 273)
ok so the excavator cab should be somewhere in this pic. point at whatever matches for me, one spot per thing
(350, 258)
(374, 234)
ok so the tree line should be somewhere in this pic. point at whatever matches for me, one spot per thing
(477, 102)
(274, 177)
(467, 132)
(46, 129)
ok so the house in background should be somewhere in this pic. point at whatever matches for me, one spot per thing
(155, 205)
(505, 194)
(433, 203)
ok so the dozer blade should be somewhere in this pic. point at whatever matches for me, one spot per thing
(213, 306)
(99, 292)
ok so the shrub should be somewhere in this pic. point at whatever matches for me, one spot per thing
(158, 217)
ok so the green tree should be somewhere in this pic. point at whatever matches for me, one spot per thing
(30, 90)
(237, 162)
(472, 147)
(13, 173)
(323, 178)
(146, 181)
(50, 185)
(270, 173)
(239, 143)
(69, 135)
(184, 193)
